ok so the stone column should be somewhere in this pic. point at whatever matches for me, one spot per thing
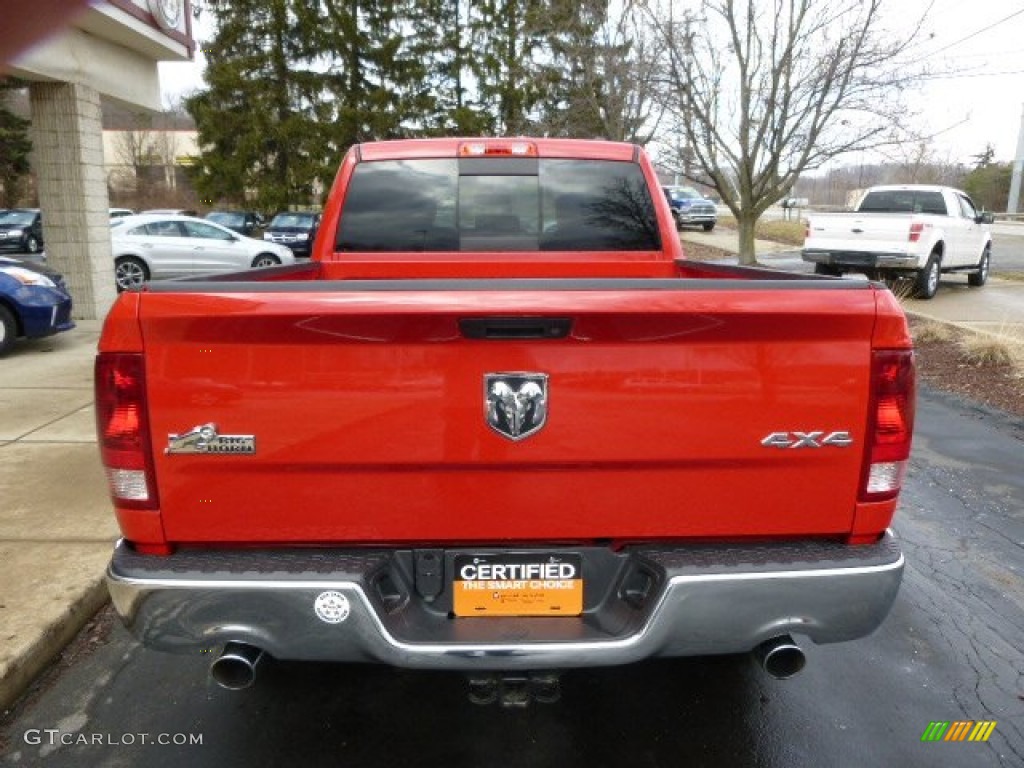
(67, 138)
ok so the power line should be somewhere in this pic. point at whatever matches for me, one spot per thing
(973, 74)
(975, 34)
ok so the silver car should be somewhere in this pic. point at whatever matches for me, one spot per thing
(151, 246)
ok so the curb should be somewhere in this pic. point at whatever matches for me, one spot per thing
(27, 667)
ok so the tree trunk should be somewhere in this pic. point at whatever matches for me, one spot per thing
(746, 222)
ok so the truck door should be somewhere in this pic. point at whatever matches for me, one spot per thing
(971, 234)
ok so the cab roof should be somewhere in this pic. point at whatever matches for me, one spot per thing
(453, 147)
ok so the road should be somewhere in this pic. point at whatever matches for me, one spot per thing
(949, 651)
(1008, 251)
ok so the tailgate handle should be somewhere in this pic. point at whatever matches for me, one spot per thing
(515, 328)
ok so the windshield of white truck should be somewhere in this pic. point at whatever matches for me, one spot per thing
(903, 201)
(497, 204)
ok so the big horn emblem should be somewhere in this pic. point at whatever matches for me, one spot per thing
(516, 404)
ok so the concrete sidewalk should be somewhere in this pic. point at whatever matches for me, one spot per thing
(56, 524)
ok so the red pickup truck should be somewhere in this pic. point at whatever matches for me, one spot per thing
(499, 424)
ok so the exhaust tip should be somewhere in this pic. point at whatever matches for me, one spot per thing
(235, 668)
(780, 657)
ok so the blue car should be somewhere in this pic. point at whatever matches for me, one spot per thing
(34, 302)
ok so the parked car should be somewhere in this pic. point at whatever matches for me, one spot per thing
(171, 211)
(151, 246)
(296, 229)
(242, 222)
(21, 230)
(117, 213)
(34, 302)
(691, 209)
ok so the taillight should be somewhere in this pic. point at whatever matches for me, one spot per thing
(122, 427)
(915, 231)
(891, 423)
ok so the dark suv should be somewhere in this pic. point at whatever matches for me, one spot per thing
(690, 208)
(296, 229)
(242, 222)
(21, 230)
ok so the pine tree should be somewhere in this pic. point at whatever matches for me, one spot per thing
(443, 43)
(374, 75)
(598, 72)
(260, 119)
(506, 37)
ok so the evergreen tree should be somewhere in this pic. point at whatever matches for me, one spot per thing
(15, 147)
(506, 37)
(989, 185)
(260, 120)
(374, 75)
(572, 81)
(600, 72)
(443, 43)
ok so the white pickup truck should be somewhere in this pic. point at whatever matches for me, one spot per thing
(911, 230)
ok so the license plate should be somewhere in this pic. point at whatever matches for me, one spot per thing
(518, 584)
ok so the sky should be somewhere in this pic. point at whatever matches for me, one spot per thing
(982, 43)
(979, 42)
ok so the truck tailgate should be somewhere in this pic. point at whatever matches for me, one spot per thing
(886, 232)
(367, 409)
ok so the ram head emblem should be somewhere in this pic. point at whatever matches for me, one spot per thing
(516, 404)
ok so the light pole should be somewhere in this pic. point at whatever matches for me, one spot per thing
(1018, 162)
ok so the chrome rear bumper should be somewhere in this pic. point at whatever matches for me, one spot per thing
(863, 259)
(330, 605)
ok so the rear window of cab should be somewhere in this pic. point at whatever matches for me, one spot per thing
(497, 204)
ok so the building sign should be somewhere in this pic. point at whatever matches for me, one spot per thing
(167, 13)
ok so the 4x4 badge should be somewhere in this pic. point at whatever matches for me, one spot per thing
(516, 404)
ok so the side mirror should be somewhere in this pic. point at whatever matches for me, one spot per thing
(985, 217)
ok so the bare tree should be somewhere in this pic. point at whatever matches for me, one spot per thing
(165, 145)
(763, 90)
(918, 163)
(133, 153)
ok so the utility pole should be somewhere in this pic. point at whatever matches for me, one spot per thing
(1018, 162)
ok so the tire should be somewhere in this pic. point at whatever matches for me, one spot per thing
(978, 279)
(827, 269)
(265, 260)
(8, 330)
(130, 273)
(708, 227)
(679, 224)
(927, 282)
(32, 244)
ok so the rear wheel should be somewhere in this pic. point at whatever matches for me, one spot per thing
(8, 329)
(265, 260)
(927, 282)
(709, 226)
(130, 273)
(678, 221)
(977, 279)
(827, 269)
